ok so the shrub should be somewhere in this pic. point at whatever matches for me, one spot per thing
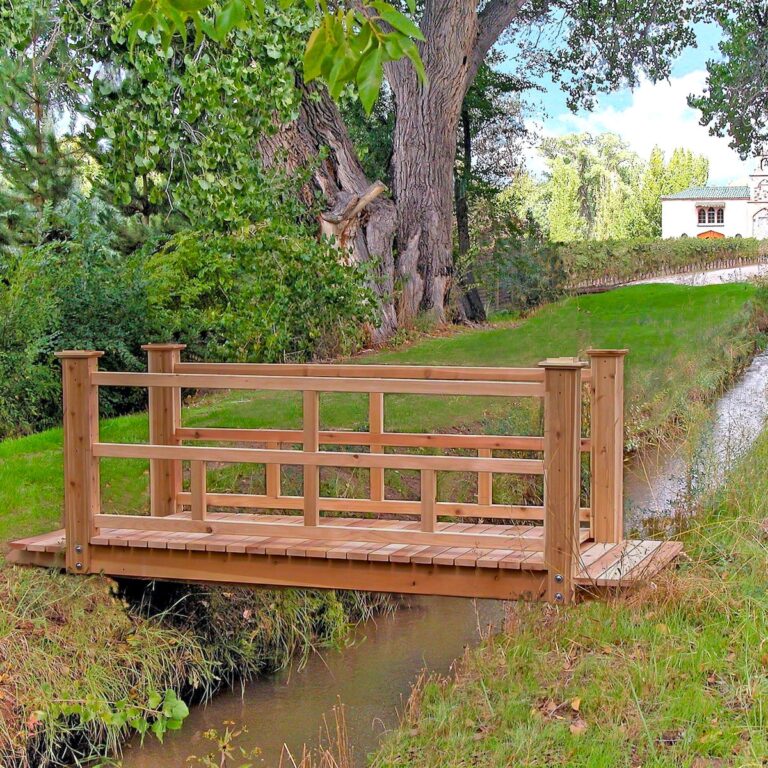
(266, 294)
(73, 292)
(623, 260)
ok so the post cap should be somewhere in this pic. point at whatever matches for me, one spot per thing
(162, 347)
(607, 352)
(81, 354)
(563, 362)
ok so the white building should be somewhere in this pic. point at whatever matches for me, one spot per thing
(719, 211)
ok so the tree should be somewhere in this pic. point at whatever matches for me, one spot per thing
(565, 214)
(597, 46)
(488, 156)
(35, 93)
(684, 169)
(735, 101)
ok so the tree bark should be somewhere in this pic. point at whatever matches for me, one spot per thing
(427, 115)
(358, 215)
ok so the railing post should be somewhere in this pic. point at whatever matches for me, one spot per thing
(607, 434)
(164, 420)
(311, 471)
(82, 491)
(562, 461)
(428, 498)
(376, 428)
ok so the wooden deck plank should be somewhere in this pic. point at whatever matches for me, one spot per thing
(600, 565)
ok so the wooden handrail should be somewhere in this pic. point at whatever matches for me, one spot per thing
(320, 384)
(319, 458)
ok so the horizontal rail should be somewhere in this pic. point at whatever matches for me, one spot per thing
(320, 384)
(432, 373)
(319, 458)
(388, 439)
(325, 532)
(368, 506)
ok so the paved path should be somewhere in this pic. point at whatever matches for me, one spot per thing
(713, 277)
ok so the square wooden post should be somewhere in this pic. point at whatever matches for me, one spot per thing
(82, 493)
(607, 433)
(562, 475)
(164, 420)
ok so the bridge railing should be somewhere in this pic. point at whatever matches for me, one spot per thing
(559, 382)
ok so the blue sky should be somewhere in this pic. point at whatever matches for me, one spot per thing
(652, 114)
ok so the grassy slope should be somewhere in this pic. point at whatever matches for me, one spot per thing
(682, 341)
(673, 677)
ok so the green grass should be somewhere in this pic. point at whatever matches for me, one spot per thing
(675, 676)
(684, 343)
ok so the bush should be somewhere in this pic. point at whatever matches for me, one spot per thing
(267, 294)
(615, 261)
(73, 292)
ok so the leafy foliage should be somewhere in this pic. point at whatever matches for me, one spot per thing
(73, 292)
(348, 47)
(621, 260)
(598, 189)
(265, 294)
(735, 102)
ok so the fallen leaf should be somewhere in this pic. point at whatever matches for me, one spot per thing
(578, 726)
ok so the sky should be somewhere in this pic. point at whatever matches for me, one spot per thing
(651, 115)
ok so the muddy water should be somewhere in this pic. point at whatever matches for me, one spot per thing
(373, 677)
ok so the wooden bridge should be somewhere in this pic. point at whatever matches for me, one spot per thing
(433, 545)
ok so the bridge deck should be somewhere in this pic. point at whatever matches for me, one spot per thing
(510, 572)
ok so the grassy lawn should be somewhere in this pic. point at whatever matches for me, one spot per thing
(675, 676)
(684, 342)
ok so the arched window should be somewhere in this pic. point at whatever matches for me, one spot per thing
(702, 216)
(721, 215)
(710, 215)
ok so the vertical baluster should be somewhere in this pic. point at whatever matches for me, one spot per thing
(311, 444)
(428, 496)
(376, 428)
(198, 486)
(273, 475)
(485, 480)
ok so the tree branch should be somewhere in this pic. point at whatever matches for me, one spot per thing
(492, 21)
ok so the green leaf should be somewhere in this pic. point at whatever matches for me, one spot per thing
(369, 76)
(412, 52)
(231, 15)
(314, 53)
(397, 20)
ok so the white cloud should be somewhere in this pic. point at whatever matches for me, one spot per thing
(658, 115)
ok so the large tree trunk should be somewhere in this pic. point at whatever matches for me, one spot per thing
(358, 216)
(427, 115)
